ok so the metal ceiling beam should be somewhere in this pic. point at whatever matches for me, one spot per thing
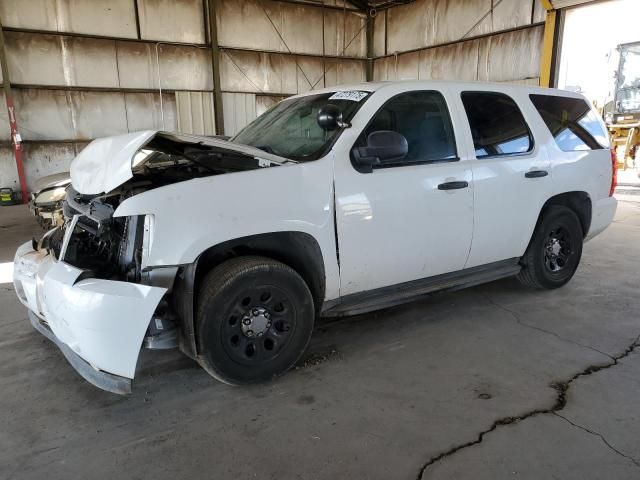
(385, 4)
(558, 4)
(366, 5)
(459, 40)
(318, 4)
(360, 4)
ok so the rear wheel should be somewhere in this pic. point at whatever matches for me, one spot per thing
(254, 320)
(554, 252)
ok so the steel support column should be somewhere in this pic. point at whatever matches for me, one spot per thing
(215, 65)
(548, 58)
(16, 140)
(369, 72)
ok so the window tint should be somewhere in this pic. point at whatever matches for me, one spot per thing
(572, 123)
(497, 125)
(423, 119)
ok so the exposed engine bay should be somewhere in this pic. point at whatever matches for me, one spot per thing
(111, 248)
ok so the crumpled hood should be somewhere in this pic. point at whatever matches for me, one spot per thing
(106, 163)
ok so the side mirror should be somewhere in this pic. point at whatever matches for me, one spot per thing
(330, 117)
(382, 146)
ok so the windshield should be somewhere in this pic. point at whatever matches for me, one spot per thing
(629, 81)
(291, 130)
(630, 67)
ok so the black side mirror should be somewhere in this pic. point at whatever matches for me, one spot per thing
(330, 117)
(382, 146)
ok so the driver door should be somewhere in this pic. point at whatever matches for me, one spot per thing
(408, 218)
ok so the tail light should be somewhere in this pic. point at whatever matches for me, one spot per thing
(614, 172)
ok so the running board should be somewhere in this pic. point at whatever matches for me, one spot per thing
(385, 297)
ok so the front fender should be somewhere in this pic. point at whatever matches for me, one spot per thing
(191, 216)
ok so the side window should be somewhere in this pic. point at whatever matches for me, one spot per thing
(497, 125)
(422, 118)
(573, 124)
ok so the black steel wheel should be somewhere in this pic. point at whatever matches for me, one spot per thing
(255, 316)
(259, 325)
(554, 253)
(557, 250)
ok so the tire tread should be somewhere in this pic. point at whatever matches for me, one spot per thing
(216, 280)
(528, 275)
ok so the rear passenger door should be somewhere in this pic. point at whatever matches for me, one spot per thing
(512, 174)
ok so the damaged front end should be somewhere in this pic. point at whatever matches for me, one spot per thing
(83, 286)
(86, 284)
(47, 199)
(101, 245)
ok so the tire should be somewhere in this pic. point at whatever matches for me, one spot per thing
(554, 252)
(254, 319)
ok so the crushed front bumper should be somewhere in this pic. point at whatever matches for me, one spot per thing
(98, 324)
(103, 380)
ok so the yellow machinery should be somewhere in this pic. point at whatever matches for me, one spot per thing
(623, 116)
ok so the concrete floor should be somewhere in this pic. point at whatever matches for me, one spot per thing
(493, 382)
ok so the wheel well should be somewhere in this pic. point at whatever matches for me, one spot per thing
(579, 202)
(298, 250)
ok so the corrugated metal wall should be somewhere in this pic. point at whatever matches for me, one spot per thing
(487, 40)
(239, 109)
(195, 113)
(82, 69)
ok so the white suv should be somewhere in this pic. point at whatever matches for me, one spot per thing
(334, 202)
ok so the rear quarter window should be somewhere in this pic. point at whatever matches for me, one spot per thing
(572, 122)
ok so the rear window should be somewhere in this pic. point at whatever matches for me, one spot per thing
(572, 122)
(497, 125)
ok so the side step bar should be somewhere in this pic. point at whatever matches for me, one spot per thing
(385, 297)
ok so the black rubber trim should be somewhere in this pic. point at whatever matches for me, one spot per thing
(182, 302)
(105, 381)
(363, 302)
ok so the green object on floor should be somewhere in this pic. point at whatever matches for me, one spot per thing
(8, 196)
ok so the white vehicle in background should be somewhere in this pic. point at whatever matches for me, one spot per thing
(47, 198)
(335, 202)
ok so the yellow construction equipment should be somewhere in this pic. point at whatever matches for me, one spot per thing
(622, 116)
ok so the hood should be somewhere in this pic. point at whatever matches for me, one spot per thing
(107, 163)
(50, 181)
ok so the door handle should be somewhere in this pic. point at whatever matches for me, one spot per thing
(536, 174)
(453, 185)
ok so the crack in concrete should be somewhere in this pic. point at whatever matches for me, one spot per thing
(561, 401)
(516, 317)
(602, 437)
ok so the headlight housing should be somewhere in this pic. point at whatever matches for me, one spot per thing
(53, 195)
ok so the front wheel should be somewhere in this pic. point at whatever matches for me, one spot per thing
(254, 320)
(554, 252)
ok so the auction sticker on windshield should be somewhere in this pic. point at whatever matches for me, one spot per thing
(353, 95)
